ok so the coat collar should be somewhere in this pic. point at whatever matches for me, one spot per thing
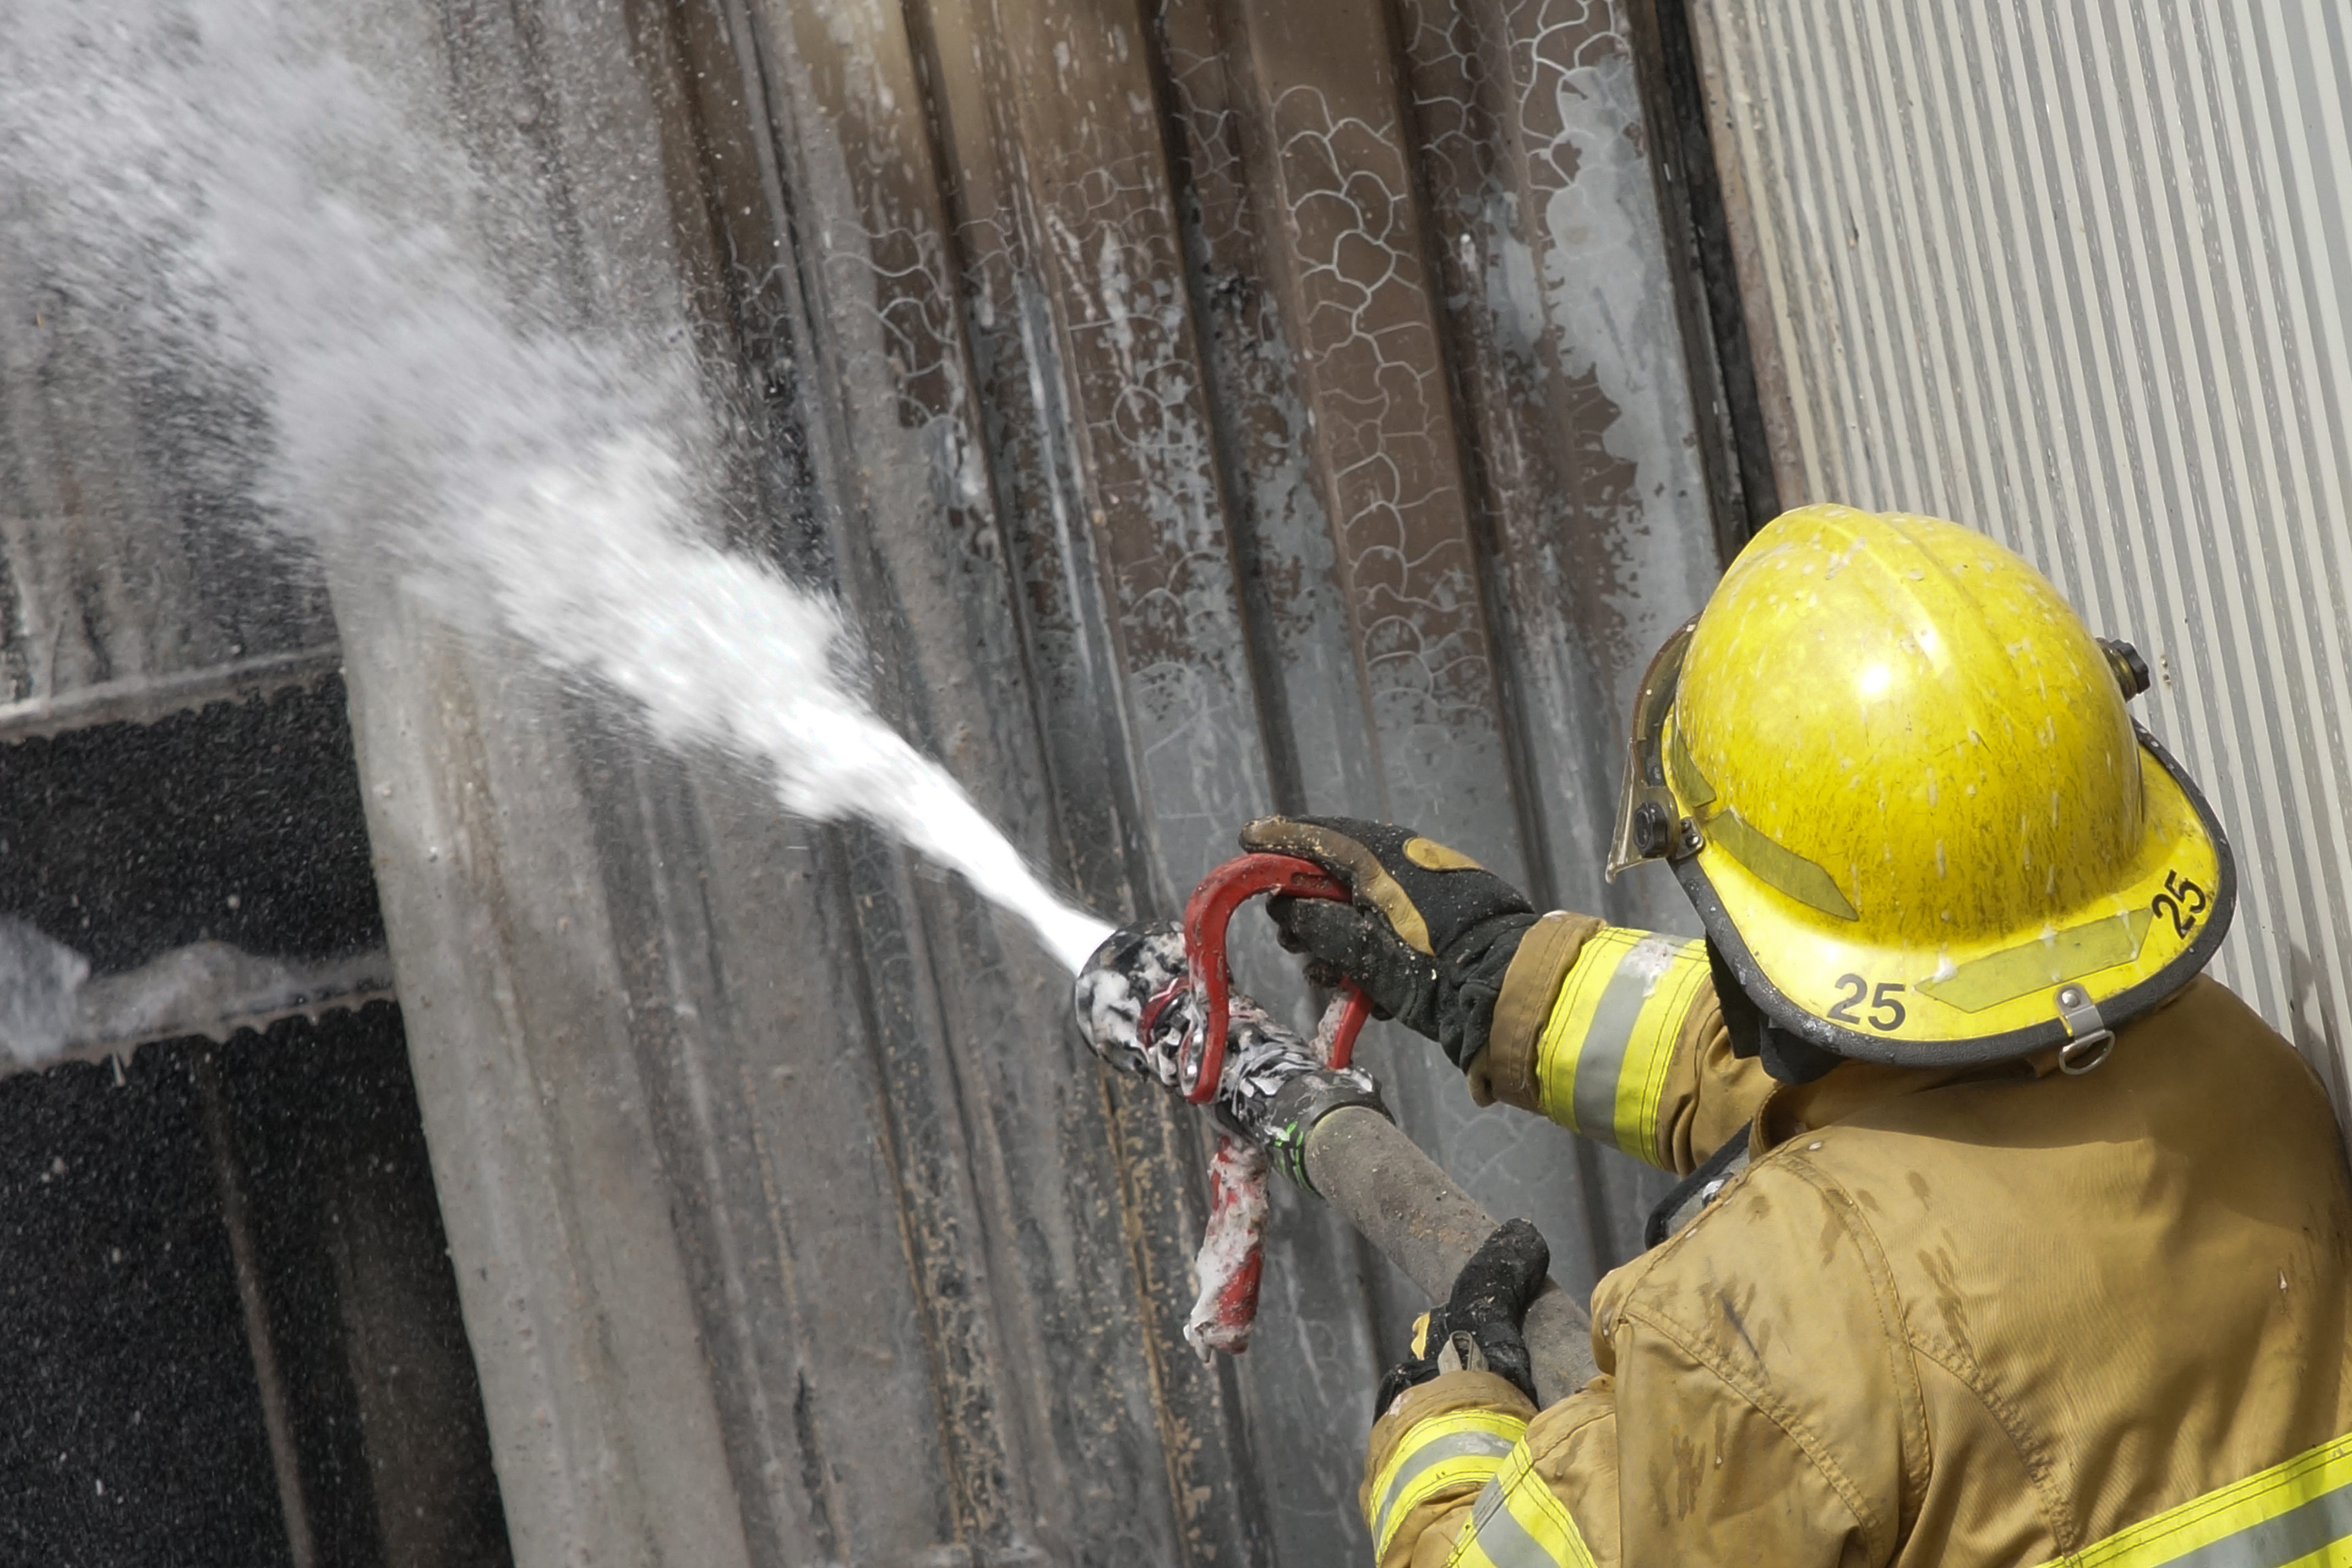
(1852, 1086)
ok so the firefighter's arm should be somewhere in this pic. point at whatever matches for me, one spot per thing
(1663, 1462)
(1433, 1452)
(1612, 1032)
(1615, 1034)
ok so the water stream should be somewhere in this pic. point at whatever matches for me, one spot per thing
(245, 208)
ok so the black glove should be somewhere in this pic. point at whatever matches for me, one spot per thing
(1429, 937)
(1477, 1330)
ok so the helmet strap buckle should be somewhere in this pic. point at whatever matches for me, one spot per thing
(2090, 1038)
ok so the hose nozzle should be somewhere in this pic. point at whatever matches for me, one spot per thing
(1139, 1011)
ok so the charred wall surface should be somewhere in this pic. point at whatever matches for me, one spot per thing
(1202, 410)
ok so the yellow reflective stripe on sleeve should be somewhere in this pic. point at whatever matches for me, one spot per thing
(1452, 1449)
(1601, 1067)
(2294, 1515)
(1519, 1522)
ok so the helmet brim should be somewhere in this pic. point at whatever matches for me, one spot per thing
(2127, 949)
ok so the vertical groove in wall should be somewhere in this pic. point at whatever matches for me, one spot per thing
(2082, 277)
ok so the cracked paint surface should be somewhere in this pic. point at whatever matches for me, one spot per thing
(1383, 431)
(1554, 262)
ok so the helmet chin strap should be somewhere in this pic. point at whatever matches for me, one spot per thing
(1787, 1058)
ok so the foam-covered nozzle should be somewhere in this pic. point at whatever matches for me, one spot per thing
(1138, 1011)
(1137, 970)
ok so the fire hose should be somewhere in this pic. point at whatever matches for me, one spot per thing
(1160, 1001)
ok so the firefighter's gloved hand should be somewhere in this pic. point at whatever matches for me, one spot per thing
(1478, 1327)
(1429, 935)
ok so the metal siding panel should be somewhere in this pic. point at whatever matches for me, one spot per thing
(1344, 259)
(1545, 233)
(1202, 511)
(1325, 1299)
(2094, 301)
(1082, 1358)
(1318, 729)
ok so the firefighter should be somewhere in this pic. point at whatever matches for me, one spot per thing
(2007, 1237)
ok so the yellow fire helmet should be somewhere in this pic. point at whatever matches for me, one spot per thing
(1895, 775)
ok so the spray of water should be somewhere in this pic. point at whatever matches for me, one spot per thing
(719, 650)
(251, 211)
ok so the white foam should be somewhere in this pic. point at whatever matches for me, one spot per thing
(247, 211)
(40, 992)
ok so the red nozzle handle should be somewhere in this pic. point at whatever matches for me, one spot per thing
(1207, 915)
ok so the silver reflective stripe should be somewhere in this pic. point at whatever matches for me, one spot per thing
(1504, 1539)
(1453, 1445)
(1602, 1059)
(2274, 1542)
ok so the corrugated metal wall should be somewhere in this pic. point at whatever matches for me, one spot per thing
(1201, 408)
(2081, 276)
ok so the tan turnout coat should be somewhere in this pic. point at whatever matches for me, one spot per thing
(1975, 1318)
